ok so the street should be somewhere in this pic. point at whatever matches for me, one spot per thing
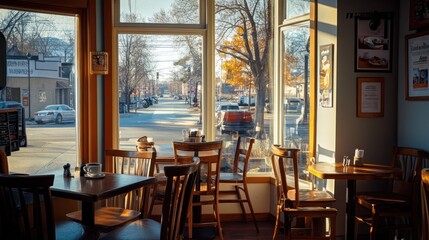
(50, 146)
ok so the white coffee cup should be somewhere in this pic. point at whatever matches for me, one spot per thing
(92, 169)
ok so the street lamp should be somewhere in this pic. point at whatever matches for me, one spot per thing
(29, 96)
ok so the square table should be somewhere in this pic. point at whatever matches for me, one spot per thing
(89, 190)
(327, 170)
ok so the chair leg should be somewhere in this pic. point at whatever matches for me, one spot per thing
(276, 226)
(333, 228)
(219, 227)
(238, 195)
(246, 192)
(190, 221)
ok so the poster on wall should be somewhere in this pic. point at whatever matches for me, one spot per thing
(373, 42)
(370, 97)
(417, 66)
(99, 63)
(325, 75)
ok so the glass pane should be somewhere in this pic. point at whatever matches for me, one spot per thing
(155, 11)
(243, 83)
(296, 8)
(295, 67)
(41, 77)
(160, 79)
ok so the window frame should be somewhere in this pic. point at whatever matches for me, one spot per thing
(285, 23)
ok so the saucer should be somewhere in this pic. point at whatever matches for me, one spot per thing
(100, 175)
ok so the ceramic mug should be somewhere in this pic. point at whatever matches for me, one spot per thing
(92, 169)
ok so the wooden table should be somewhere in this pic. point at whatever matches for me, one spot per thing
(351, 174)
(89, 191)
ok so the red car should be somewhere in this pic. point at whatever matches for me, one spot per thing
(232, 121)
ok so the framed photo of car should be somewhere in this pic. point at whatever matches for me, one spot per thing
(373, 42)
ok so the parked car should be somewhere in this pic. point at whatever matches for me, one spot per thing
(236, 120)
(58, 114)
(244, 101)
(224, 107)
(293, 104)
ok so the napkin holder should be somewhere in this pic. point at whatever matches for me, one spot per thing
(358, 158)
(358, 161)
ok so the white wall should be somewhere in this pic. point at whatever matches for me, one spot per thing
(413, 116)
(339, 131)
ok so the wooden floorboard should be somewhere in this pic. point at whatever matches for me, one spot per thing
(238, 231)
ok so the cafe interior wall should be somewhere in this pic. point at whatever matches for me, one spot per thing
(339, 130)
(413, 116)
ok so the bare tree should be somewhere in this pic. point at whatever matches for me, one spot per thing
(134, 64)
(252, 20)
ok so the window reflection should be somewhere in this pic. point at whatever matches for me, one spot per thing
(296, 8)
(295, 67)
(155, 11)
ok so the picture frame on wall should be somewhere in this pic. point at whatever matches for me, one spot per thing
(370, 97)
(419, 14)
(373, 42)
(326, 67)
(417, 66)
(99, 63)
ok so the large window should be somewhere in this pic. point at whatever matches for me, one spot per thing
(295, 72)
(161, 61)
(160, 79)
(41, 84)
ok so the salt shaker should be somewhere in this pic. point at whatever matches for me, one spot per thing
(67, 172)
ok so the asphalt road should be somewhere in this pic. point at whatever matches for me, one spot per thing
(50, 146)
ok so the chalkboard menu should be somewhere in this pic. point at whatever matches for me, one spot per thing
(9, 138)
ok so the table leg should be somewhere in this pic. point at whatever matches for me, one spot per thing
(350, 208)
(89, 232)
(88, 214)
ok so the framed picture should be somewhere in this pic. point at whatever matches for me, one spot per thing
(419, 14)
(370, 97)
(325, 74)
(417, 66)
(99, 63)
(373, 42)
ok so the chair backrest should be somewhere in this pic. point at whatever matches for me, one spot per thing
(425, 203)
(210, 154)
(18, 220)
(140, 163)
(284, 159)
(4, 165)
(409, 160)
(178, 193)
(242, 153)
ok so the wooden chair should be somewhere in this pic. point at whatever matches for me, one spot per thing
(242, 154)
(296, 203)
(26, 210)
(127, 207)
(425, 203)
(178, 192)
(207, 185)
(398, 206)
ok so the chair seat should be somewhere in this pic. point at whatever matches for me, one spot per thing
(107, 218)
(69, 230)
(309, 198)
(385, 199)
(231, 177)
(140, 229)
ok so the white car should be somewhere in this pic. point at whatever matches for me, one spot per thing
(55, 114)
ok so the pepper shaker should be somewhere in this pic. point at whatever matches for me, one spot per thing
(67, 172)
